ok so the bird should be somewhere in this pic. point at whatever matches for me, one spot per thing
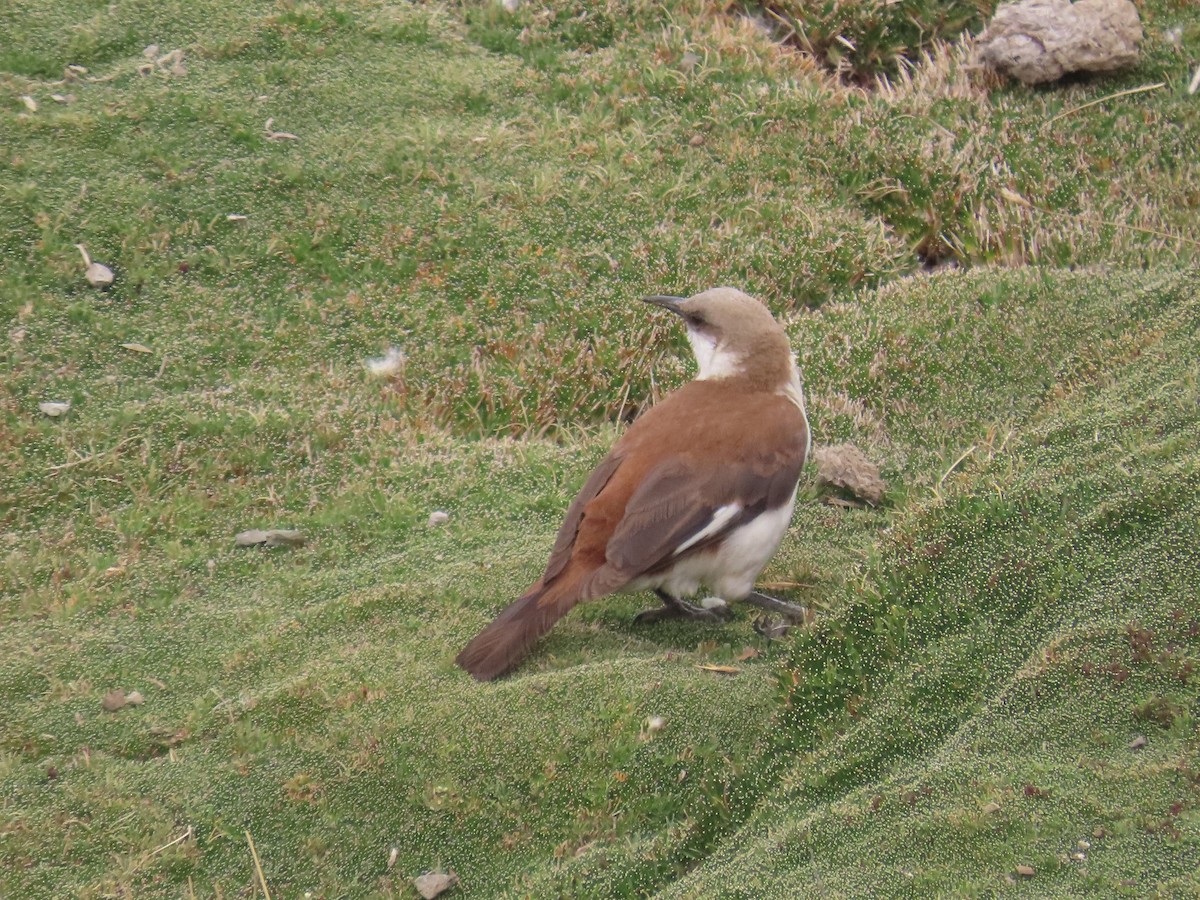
(699, 491)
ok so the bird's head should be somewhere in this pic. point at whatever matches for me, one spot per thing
(733, 336)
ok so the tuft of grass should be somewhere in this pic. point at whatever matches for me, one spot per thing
(862, 40)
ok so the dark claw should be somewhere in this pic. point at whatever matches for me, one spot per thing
(770, 628)
(674, 608)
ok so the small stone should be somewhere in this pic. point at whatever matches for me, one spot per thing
(113, 701)
(432, 884)
(438, 517)
(1083, 845)
(1026, 871)
(135, 698)
(1078, 856)
(511, 6)
(393, 856)
(30, 103)
(1137, 743)
(1036, 41)
(99, 276)
(655, 724)
(54, 410)
(150, 52)
(991, 808)
(275, 537)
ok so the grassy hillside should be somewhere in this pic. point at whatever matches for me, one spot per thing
(992, 290)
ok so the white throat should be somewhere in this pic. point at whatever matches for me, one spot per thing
(715, 361)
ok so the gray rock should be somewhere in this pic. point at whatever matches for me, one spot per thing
(1036, 41)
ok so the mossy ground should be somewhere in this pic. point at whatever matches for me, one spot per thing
(492, 193)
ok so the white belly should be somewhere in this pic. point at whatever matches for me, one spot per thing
(730, 570)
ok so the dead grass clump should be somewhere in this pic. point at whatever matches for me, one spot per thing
(860, 40)
(846, 468)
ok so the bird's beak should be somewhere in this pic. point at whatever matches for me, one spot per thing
(671, 303)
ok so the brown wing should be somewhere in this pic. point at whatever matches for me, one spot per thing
(680, 500)
(565, 542)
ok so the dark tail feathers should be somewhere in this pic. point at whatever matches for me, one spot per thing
(504, 643)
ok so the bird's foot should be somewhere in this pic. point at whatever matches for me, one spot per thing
(770, 627)
(674, 608)
(793, 611)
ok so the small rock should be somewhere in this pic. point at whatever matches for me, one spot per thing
(438, 517)
(1026, 871)
(393, 856)
(431, 884)
(54, 410)
(98, 275)
(991, 808)
(113, 701)
(511, 5)
(1137, 743)
(30, 103)
(150, 52)
(135, 698)
(655, 724)
(845, 467)
(1036, 41)
(696, 141)
(275, 537)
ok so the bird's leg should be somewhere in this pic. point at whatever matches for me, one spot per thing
(793, 611)
(674, 608)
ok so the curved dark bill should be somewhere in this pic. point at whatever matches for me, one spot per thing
(666, 302)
